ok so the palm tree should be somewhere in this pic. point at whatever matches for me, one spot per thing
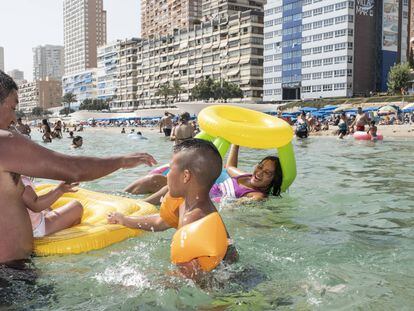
(164, 91)
(67, 99)
(176, 89)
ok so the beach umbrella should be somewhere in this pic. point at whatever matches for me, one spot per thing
(329, 108)
(343, 108)
(308, 109)
(408, 106)
(409, 109)
(369, 109)
(388, 109)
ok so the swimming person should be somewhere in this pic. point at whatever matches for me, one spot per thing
(343, 125)
(183, 130)
(360, 121)
(194, 167)
(77, 142)
(44, 220)
(302, 126)
(372, 130)
(139, 136)
(21, 156)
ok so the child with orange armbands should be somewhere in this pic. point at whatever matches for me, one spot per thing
(201, 241)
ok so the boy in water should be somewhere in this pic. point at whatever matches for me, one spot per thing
(194, 167)
(372, 130)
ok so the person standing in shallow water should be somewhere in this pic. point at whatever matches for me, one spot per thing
(20, 156)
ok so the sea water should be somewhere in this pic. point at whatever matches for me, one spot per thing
(341, 238)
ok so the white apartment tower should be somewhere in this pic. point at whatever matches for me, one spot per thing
(84, 32)
(48, 62)
(308, 49)
(1, 58)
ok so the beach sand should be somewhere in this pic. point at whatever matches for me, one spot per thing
(402, 131)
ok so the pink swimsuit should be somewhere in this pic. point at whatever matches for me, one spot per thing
(230, 188)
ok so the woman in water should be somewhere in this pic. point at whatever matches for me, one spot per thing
(47, 133)
(266, 179)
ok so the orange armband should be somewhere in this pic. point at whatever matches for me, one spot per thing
(168, 210)
(204, 240)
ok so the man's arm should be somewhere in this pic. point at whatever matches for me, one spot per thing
(22, 156)
(148, 223)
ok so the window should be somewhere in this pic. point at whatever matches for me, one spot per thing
(341, 19)
(340, 33)
(277, 80)
(268, 69)
(307, 26)
(349, 72)
(327, 87)
(328, 48)
(339, 86)
(328, 61)
(307, 64)
(306, 76)
(339, 73)
(350, 45)
(328, 8)
(316, 75)
(341, 5)
(317, 24)
(340, 59)
(328, 22)
(328, 35)
(317, 11)
(349, 59)
(317, 50)
(306, 52)
(317, 63)
(267, 81)
(340, 46)
(317, 37)
(327, 74)
(307, 14)
(306, 89)
(316, 88)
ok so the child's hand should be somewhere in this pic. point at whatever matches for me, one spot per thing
(115, 218)
(65, 187)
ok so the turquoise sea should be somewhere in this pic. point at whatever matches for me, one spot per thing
(342, 238)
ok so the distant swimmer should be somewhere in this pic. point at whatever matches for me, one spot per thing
(343, 125)
(302, 126)
(123, 130)
(47, 133)
(139, 136)
(77, 142)
(184, 130)
(23, 128)
(166, 123)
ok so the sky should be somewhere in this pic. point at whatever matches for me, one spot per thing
(25, 24)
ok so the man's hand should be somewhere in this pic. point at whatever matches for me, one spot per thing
(136, 159)
(115, 218)
(64, 187)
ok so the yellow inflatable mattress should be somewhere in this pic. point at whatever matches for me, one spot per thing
(93, 232)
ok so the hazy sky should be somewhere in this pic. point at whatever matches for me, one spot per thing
(25, 24)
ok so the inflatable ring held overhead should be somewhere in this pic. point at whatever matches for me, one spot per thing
(93, 232)
(223, 125)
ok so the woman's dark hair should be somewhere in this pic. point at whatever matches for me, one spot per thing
(44, 122)
(274, 187)
(7, 85)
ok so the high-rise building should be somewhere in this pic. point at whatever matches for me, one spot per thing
(108, 68)
(84, 31)
(17, 75)
(160, 18)
(1, 58)
(40, 93)
(218, 8)
(411, 26)
(331, 48)
(82, 84)
(48, 62)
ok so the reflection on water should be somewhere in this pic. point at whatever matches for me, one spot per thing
(342, 237)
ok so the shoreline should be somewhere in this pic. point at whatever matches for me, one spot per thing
(396, 131)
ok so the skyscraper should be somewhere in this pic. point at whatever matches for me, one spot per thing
(48, 62)
(1, 58)
(17, 75)
(331, 48)
(159, 18)
(84, 31)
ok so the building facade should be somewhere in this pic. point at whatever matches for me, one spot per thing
(40, 93)
(107, 74)
(82, 84)
(331, 48)
(160, 18)
(48, 62)
(84, 31)
(17, 75)
(223, 48)
(1, 58)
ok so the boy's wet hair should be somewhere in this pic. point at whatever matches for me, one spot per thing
(201, 158)
(7, 85)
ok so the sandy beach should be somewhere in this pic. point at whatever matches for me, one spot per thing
(401, 131)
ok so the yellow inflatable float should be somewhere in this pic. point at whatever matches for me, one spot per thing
(94, 232)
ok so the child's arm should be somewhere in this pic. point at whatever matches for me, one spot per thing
(38, 204)
(148, 223)
(232, 161)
